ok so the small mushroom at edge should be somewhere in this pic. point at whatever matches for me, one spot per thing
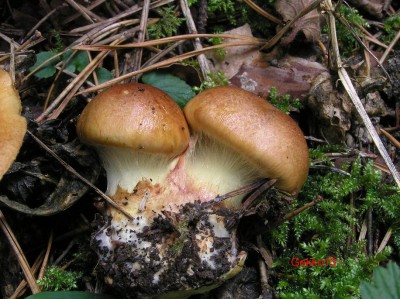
(12, 124)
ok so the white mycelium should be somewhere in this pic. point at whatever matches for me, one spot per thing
(150, 187)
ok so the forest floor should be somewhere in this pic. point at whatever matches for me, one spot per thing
(333, 68)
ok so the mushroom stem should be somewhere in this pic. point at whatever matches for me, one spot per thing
(217, 169)
(126, 168)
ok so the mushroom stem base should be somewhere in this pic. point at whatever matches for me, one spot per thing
(170, 253)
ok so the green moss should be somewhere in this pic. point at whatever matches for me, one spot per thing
(167, 26)
(221, 52)
(346, 39)
(328, 230)
(57, 279)
(319, 154)
(392, 27)
(215, 79)
(223, 7)
(285, 102)
(58, 43)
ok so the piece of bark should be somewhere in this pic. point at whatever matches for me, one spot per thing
(290, 75)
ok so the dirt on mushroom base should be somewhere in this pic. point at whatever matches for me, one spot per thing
(179, 254)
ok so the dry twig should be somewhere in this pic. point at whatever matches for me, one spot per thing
(19, 254)
(163, 64)
(205, 68)
(389, 136)
(46, 257)
(262, 12)
(141, 34)
(20, 290)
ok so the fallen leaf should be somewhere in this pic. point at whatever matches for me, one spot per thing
(235, 57)
(309, 24)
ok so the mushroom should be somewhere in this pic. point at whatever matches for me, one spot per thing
(241, 137)
(13, 125)
(176, 246)
(137, 130)
(172, 243)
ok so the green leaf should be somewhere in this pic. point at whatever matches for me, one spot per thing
(68, 295)
(47, 70)
(103, 75)
(176, 88)
(385, 283)
(78, 62)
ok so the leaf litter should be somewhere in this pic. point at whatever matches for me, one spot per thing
(37, 185)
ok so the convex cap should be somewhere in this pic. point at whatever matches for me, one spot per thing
(265, 136)
(135, 116)
(12, 124)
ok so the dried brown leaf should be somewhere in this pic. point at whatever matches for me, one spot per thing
(309, 24)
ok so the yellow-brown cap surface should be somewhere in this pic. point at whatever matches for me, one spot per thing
(12, 124)
(136, 116)
(262, 134)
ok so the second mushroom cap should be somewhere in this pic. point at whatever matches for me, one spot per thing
(265, 136)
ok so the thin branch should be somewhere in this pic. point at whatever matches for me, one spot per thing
(71, 89)
(23, 262)
(358, 39)
(201, 58)
(167, 40)
(390, 47)
(77, 15)
(81, 10)
(301, 209)
(273, 41)
(20, 290)
(385, 240)
(389, 136)
(240, 191)
(162, 64)
(134, 9)
(363, 231)
(256, 194)
(262, 12)
(162, 54)
(46, 256)
(141, 34)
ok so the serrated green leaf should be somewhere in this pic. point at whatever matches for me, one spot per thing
(385, 283)
(47, 70)
(68, 295)
(103, 75)
(176, 88)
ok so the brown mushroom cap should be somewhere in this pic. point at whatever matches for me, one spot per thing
(268, 138)
(135, 116)
(12, 124)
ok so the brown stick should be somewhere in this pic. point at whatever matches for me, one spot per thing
(23, 262)
(141, 34)
(301, 209)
